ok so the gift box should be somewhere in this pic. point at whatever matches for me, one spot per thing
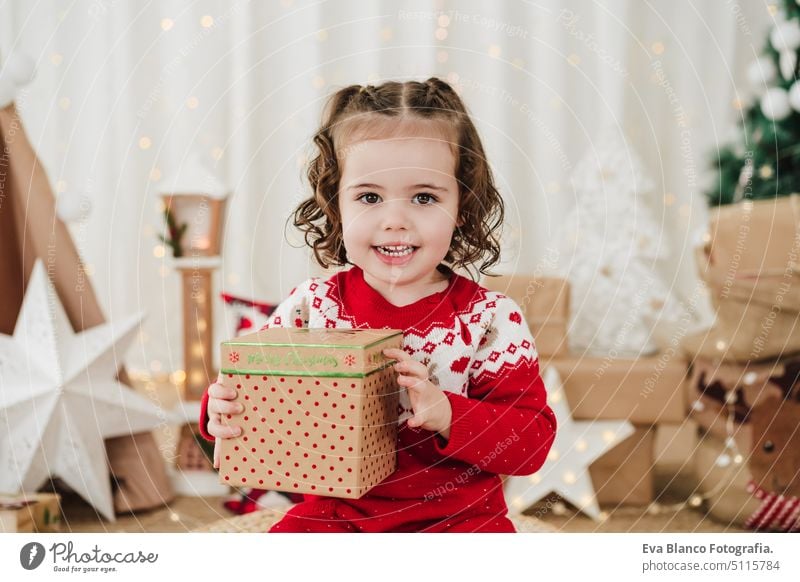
(756, 321)
(321, 410)
(192, 453)
(760, 317)
(545, 304)
(624, 475)
(751, 238)
(646, 390)
(674, 445)
(38, 512)
(129, 458)
(750, 264)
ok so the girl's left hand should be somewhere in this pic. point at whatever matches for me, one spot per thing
(432, 410)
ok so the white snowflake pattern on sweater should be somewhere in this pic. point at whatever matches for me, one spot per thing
(485, 340)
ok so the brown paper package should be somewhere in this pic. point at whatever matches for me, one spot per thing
(624, 475)
(321, 410)
(545, 304)
(646, 390)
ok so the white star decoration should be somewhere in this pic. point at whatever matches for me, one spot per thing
(59, 399)
(577, 445)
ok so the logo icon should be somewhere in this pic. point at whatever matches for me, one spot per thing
(31, 555)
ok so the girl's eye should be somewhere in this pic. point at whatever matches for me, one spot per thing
(425, 199)
(369, 198)
(422, 199)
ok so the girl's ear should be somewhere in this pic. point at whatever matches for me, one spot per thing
(460, 222)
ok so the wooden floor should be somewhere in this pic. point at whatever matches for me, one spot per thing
(186, 514)
(189, 513)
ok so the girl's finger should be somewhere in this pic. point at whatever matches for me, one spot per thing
(219, 430)
(222, 392)
(412, 367)
(218, 406)
(411, 382)
(396, 354)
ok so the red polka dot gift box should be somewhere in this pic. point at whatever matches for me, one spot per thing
(320, 410)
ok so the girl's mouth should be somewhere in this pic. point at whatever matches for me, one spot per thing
(395, 254)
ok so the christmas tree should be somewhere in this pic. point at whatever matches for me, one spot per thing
(610, 251)
(763, 162)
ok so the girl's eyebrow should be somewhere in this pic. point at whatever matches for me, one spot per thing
(414, 187)
(426, 187)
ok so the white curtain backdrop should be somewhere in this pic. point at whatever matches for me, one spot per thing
(127, 91)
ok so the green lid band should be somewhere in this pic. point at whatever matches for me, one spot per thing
(299, 373)
(295, 345)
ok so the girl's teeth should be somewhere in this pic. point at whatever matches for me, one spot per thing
(395, 251)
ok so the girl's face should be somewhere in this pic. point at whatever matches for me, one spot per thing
(398, 199)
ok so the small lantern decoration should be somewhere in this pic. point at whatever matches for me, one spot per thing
(194, 205)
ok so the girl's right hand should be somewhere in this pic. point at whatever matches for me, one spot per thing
(220, 401)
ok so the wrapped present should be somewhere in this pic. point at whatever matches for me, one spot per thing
(757, 320)
(751, 265)
(674, 446)
(321, 410)
(624, 475)
(8, 520)
(751, 238)
(646, 390)
(545, 304)
(37, 512)
(193, 452)
(130, 458)
(760, 317)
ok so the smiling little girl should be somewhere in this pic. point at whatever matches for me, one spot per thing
(404, 194)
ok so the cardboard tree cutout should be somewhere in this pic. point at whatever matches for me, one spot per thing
(30, 229)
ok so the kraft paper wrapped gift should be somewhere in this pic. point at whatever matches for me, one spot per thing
(545, 304)
(321, 410)
(752, 238)
(624, 475)
(28, 513)
(757, 318)
(750, 262)
(646, 390)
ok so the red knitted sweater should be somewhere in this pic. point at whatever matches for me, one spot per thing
(480, 353)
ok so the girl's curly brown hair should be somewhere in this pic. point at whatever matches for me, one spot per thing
(356, 113)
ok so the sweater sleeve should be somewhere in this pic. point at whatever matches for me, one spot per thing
(294, 311)
(504, 424)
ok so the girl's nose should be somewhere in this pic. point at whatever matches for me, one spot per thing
(394, 216)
